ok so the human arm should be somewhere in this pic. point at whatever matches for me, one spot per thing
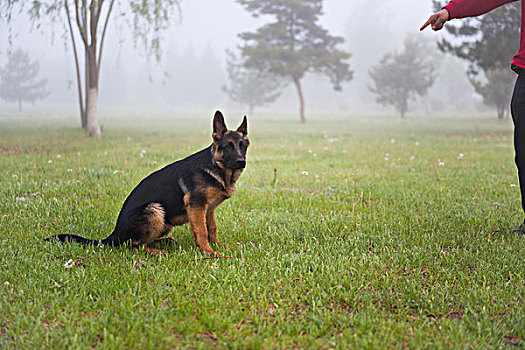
(461, 9)
(473, 8)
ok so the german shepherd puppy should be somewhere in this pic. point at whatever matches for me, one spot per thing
(188, 190)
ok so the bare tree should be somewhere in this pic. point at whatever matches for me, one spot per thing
(85, 23)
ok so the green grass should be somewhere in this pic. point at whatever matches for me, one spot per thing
(367, 250)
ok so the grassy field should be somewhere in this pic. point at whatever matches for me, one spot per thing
(363, 232)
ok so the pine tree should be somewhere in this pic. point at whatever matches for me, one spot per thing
(293, 44)
(19, 82)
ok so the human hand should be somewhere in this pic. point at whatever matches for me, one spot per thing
(437, 20)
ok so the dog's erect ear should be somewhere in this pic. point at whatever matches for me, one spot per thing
(219, 127)
(243, 128)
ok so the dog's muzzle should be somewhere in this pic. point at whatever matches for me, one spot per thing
(240, 163)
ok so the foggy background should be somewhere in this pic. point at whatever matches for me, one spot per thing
(193, 67)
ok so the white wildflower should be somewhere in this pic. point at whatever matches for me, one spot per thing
(20, 199)
(59, 156)
(461, 155)
(417, 143)
(304, 172)
(69, 263)
(116, 172)
(512, 185)
(392, 141)
(50, 161)
(440, 163)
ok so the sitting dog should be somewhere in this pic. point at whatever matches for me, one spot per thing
(188, 190)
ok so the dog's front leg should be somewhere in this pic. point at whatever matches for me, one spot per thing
(197, 219)
(212, 227)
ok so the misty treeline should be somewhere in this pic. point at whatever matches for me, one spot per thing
(282, 54)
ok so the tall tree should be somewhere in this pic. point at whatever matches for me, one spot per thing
(18, 79)
(488, 43)
(294, 44)
(400, 77)
(86, 23)
(248, 86)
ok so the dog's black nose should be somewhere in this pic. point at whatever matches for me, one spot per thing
(240, 163)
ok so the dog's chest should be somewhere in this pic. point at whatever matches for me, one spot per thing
(216, 196)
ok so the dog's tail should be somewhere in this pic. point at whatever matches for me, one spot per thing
(111, 240)
(74, 238)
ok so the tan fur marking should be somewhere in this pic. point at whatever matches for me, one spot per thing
(197, 218)
(155, 209)
(152, 224)
(231, 177)
(217, 155)
(214, 196)
(211, 225)
(216, 177)
(186, 199)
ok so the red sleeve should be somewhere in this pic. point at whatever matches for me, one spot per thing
(472, 8)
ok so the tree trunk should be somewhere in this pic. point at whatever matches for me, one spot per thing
(91, 113)
(301, 99)
(92, 94)
(501, 112)
(84, 115)
(77, 69)
(403, 107)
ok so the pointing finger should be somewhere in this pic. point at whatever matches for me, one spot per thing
(427, 23)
